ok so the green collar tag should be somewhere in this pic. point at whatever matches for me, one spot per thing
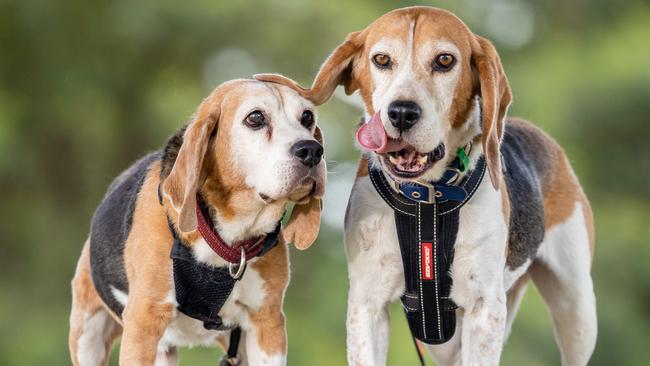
(464, 159)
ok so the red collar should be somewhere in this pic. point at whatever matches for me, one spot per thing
(231, 253)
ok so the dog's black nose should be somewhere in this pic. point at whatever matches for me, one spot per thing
(403, 115)
(309, 152)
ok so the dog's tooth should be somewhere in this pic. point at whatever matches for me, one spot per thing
(411, 155)
(423, 159)
(392, 159)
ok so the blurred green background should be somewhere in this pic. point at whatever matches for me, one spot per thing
(86, 87)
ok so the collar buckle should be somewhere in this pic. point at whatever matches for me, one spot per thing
(420, 192)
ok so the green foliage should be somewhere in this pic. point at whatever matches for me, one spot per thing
(87, 87)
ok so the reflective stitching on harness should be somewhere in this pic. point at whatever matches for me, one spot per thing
(388, 202)
(424, 324)
(408, 308)
(403, 200)
(435, 264)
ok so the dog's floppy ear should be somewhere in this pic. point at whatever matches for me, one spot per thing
(304, 223)
(495, 99)
(186, 176)
(336, 70)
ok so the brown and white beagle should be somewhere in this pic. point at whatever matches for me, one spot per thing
(250, 149)
(431, 86)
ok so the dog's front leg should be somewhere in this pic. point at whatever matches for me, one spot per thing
(376, 280)
(144, 323)
(484, 329)
(478, 289)
(368, 328)
(266, 338)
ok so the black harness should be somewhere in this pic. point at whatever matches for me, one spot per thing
(201, 289)
(426, 218)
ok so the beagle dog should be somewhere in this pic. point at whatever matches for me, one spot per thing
(251, 148)
(432, 87)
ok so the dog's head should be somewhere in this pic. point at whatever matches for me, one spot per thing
(251, 143)
(421, 73)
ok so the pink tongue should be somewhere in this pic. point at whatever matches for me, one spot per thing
(372, 136)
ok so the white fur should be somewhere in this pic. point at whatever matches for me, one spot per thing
(120, 296)
(569, 292)
(376, 275)
(481, 280)
(460, 137)
(169, 358)
(480, 276)
(477, 271)
(97, 328)
(255, 356)
(266, 163)
(411, 79)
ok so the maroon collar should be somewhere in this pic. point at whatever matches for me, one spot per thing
(231, 253)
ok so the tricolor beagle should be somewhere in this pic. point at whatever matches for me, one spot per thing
(430, 86)
(251, 148)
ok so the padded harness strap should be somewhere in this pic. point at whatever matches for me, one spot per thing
(427, 234)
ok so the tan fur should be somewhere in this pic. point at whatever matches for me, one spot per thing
(560, 185)
(481, 75)
(362, 167)
(204, 164)
(274, 269)
(185, 178)
(496, 97)
(148, 268)
(304, 224)
(561, 191)
(348, 65)
(86, 302)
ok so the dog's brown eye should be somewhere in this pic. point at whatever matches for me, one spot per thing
(382, 61)
(307, 119)
(444, 62)
(255, 120)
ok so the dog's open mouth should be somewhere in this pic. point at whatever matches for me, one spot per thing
(410, 163)
(399, 157)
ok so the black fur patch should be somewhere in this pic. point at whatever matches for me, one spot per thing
(170, 152)
(526, 164)
(110, 228)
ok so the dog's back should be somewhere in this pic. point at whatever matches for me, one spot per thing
(109, 231)
(524, 150)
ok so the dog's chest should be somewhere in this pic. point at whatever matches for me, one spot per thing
(247, 295)
(185, 331)
(371, 238)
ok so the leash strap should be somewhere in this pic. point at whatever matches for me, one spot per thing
(427, 234)
(417, 349)
(231, 358)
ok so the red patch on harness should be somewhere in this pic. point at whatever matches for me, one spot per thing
(427, 261)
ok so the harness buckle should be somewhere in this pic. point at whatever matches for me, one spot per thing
(240, 268)
(421, 192)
